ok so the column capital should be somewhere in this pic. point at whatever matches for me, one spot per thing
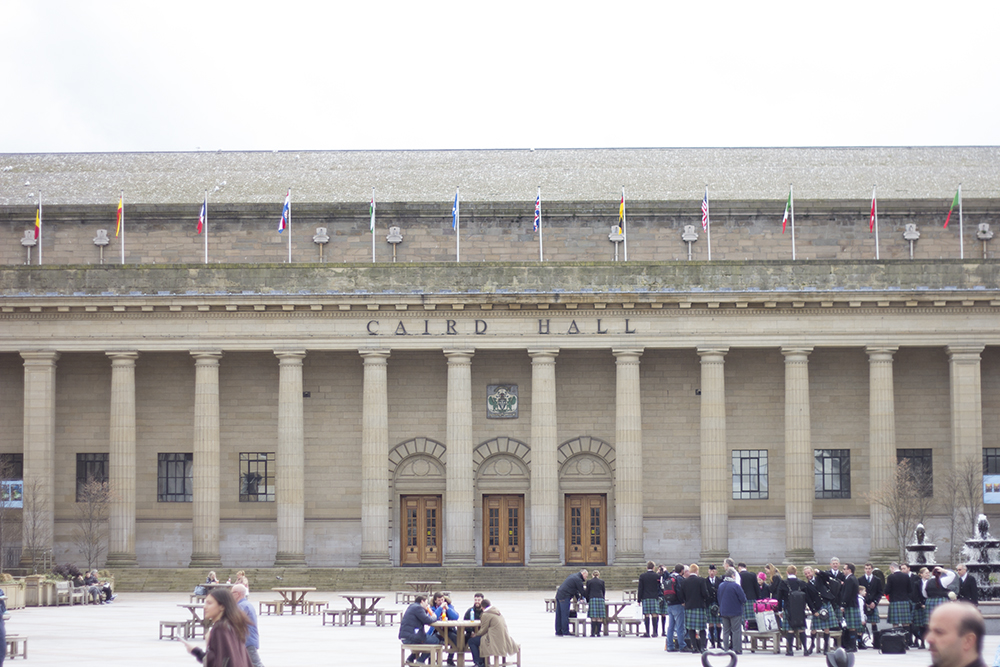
(459, 356)
(964, 352)
(40, 357)
(881, 352)
(712, 353)
(122, 357)
(627, 353)
(795, 352)
(543, 354)
(375, 356)
(206, 357)
(290, 357)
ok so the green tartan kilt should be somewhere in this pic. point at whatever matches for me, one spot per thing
(920, 616)
(695, 619)
(872, 615)
(828, 623)
(748, 612)
(714, 619)
(597, 609)
(852, 617)
(931, 605)
(785, 627)
(663, 607)
(900, 612)
(651, 606)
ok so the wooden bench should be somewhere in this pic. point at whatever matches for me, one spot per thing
(17, 645)
(578, 626)
(550, 604)
(386, 616)
(314, 607)
(337, 616)
(173, 629)
(406, 597)
(195, 628)
(501, 660)
(628, 626)
(835, 636)
(196, 598)
(433, 649)
(271, 607)
(763, 638)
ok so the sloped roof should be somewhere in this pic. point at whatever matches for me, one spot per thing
(653, 174)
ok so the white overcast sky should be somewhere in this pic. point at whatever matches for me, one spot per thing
(182, 75)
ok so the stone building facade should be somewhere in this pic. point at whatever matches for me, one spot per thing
(354, 413)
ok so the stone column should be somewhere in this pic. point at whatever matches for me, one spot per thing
(205, 531)
(881, 447)
(800, 487)
(38, 523)
(545, 499)
(716, 464)
(375, 461)
(459, 503)
(628, 458)
(966, 410)
(290, 482)
(121, 461)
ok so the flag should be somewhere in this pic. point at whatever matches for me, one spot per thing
(954, 203)
(621, 210)
(201, 216)
(454, 212)
(118, 226)
(38, 221)
(788, 208)
(871, 216)
(286, 212)
(538, 211)
(704, 212)
(372, 211)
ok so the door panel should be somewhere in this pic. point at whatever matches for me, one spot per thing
(586, 529)
(503, 527)
(420, 528)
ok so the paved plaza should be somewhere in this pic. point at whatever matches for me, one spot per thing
(125, 633)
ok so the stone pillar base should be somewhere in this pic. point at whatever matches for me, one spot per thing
(205, 560)
(628, 558)
(375, 560)
(121, 560)
(460, 560)
(283, 559)
(882, 557)
(800, 557)
(545, 559)
(712, 557)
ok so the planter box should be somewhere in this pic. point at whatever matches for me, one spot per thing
(39, 592)
(14, 590)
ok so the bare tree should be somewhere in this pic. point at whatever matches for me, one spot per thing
(906, 499)
(962, 501)
(37, 530)
(92, 506)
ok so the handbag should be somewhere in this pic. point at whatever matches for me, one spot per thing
(766, 621)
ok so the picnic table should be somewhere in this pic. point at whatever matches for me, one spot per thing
(614, 609)
(195, 626)
(423, 586)
(364, 607)
(458, 647)
(294, 596)
(194, 608)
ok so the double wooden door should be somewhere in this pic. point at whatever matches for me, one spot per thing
(503, 530)
(586, 529)
(420, 524)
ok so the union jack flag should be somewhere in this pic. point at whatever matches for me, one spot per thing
(538, 211)
(704, 211)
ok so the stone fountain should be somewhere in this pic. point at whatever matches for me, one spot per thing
(982, 556)
(921, 552)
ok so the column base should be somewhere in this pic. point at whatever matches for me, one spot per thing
(882, 557)
(375, 560)
(121, 560)
(713, 557)
(799, 557)
(460, 560)
(544, 560)
(205, 560)
(283, 559)
(630, 558)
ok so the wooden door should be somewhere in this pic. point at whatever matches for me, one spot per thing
(420, 525)
(503, 530)
(586, 529)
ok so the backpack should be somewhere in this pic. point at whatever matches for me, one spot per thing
(795, 610)
(670, 590)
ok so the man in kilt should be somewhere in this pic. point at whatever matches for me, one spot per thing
(751, 589)
(696, 609)
(873, 595)
(649, 595)
(897, 591)
(795, 599)
(824, 618)
(854, 624)
(714, 618)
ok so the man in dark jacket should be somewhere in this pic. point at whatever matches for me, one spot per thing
(853, 623)
(695, 591)
(571, 588)
(673, 595)
(968, 589)
(474, 613)
(897, 590)
(873, 595)
(796, 600)
(714, 619)
(751, 589)
(411, 626)
(649, 594)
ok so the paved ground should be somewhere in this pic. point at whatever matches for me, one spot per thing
(125, 633)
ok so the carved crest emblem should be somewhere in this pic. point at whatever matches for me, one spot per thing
(501, 401)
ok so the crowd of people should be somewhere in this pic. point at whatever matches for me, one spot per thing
(232, 638)
(490, 638)
(694, 613)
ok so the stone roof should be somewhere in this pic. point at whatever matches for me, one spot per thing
(650, 174)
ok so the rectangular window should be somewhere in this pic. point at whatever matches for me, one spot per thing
(833, 473)
(921, 468)
(90, 467)
(257, 477)
(749, 474)
(991, 461)
(11, 466)
(175, 478)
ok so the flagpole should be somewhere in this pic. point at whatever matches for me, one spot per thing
(708, 228)
(458, 229)
(541, 254)
(791, 196)
(121, 200)
(961, 235)
(372, 225)
(39, 228)
(206, 226)
(289, 225)
(624, 224)
(875, 208)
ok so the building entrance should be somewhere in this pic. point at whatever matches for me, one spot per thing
(421, 527)
(503, 530)
(586, 529)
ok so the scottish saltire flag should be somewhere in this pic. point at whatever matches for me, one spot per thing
(704, 212)
(286, 213)
(454, 212)
(538, 211)
(201, 216)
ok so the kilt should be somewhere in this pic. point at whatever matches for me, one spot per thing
(828, 623)
(714, 619)
(597, 609)
(695, 619)
(872, 615)
(663, 607)
(900, 612)
(651, 606)
(932, 604)
(920, 616)
(748, 610)
(785, 627)
(852, 617)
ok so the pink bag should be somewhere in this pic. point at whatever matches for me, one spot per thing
(767, 604)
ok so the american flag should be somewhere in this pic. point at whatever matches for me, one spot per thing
(538, 211)
(704, 211)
